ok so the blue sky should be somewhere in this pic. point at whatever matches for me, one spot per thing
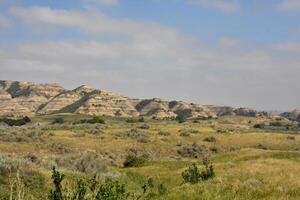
(228, 52)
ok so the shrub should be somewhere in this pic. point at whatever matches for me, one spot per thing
(208, 171)
(11, 164)
(87, 162)
(14, 138)
(261, 146)
(16, 122)
(259, 126)
(193, 151)
(94, 120)
(112, 190)
(58, 121)
(193, 175)
(187, 132)
(163, 133)
(57, 179)
(141, 119)
(181, 118)
(280, 123)
(210, 139)
(134, 161)
(152, 189)
(140, 136)
(93, 190)
(144, 126)
(290, 137)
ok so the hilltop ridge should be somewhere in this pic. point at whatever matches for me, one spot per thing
(27, 98)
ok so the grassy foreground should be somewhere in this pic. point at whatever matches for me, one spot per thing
(249, 163)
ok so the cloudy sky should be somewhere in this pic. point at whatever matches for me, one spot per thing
(225, 52)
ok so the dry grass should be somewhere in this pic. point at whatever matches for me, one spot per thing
(251, 163)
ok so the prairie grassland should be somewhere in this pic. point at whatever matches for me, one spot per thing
(249, 163)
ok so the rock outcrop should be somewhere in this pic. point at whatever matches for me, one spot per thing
(26, 98)
(30, 96)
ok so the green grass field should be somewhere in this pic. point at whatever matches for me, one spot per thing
(249, 163)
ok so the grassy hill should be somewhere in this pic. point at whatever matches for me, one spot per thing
(249, 163)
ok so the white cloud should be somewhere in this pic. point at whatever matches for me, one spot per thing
(289, 5)
(102, 2)
(227, 6)
(148, 60)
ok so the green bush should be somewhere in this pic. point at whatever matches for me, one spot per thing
(16, 122)
(135, 120)
(58, 121)
(152, 189)
(259, 126)
(193, 175)
(181, 118)
(93, 190)
(94, 120)
(134, 161)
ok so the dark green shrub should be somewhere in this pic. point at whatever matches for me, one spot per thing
(152, 190)
(57, 179)
(94, 190)
(208, 171)
(193, 175)
(181, 118)
(142, 119)
(134, 161)
(16, 122)
(58, 121)
(259, 126)
(112, 190)
(135, 120)
(210, 139)
(80, 191)
(94, 120)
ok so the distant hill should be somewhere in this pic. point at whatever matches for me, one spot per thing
(27, 98)
(294, 115)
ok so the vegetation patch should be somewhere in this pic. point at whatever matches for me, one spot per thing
(136, 134)
(16, 122)
(193, 175)
(193, 151)
(133, 160)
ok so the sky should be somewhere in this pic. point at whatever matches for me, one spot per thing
(242, 53)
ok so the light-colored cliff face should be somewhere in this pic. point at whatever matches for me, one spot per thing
(64, 99)
(106, 103)
(30, 95)
(9, 106)
(22, 98)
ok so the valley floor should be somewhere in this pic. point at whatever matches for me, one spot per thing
(249, 163)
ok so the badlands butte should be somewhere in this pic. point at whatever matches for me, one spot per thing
(26, 98)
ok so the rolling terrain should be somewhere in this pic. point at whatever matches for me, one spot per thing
(140, 149)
